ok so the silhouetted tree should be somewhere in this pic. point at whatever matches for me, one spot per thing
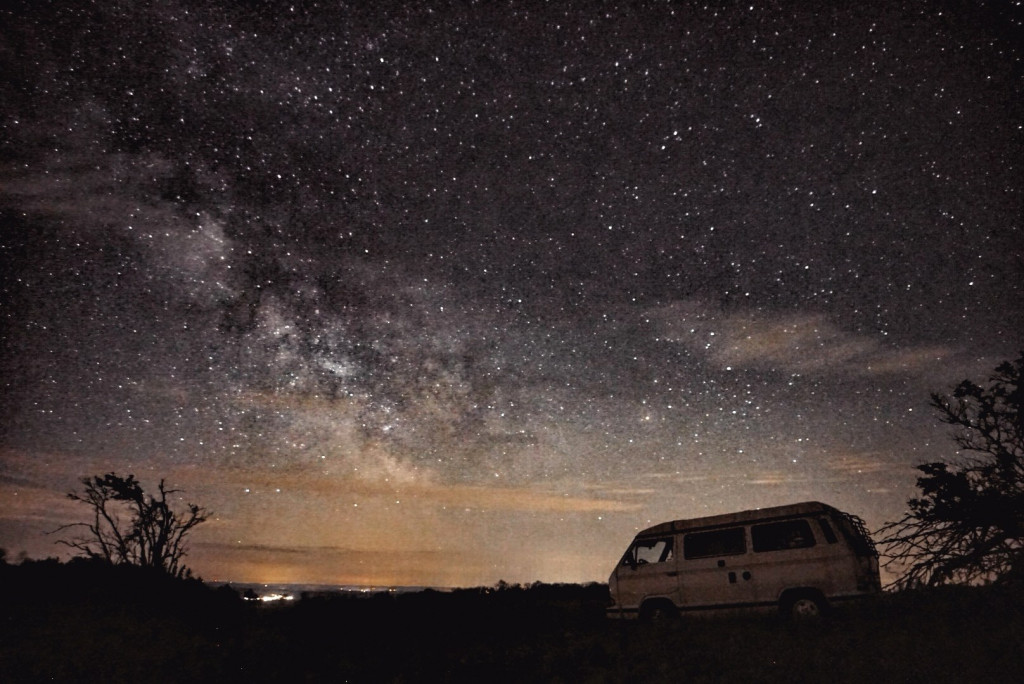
(967, 526)
(130, 527)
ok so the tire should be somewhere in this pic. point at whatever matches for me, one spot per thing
(659, 611)
(804, 607)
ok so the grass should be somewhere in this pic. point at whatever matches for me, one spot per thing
(86, 624)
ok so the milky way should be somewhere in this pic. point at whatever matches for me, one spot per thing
(442, 294)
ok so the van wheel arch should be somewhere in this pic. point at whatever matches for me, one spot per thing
(658, 610)
(803, 604)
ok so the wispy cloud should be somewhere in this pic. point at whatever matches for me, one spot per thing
(778, 478)
(864, 463)
(677, 477)
(274, 548)
(802, 343)
(369, 471)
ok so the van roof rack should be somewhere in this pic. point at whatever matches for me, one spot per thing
(863, 536)
(726, 519)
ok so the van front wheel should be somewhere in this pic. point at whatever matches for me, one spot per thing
(658, 611)
(804, 606)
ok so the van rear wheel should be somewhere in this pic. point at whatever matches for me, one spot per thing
(804, 607)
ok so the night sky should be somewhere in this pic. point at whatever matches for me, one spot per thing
(442, 294)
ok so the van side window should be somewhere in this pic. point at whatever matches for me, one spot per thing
(649, 551)
(789, 534)
(715, 543)
(830, 535)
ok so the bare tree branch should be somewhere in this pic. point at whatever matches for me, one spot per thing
(968, 524)
(130, 527)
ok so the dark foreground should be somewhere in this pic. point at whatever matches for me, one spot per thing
(85, 623)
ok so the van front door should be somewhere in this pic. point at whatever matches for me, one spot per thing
(647, 570)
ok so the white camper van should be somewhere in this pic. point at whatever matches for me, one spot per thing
(799, 558)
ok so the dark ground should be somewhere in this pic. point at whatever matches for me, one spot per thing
(82, 622)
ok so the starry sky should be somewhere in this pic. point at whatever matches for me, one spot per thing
(447, 293)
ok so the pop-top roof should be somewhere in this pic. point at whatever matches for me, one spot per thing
(757, 514)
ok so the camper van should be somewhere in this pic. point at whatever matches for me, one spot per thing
(799, 558)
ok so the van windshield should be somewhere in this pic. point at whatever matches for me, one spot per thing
(649, 551)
